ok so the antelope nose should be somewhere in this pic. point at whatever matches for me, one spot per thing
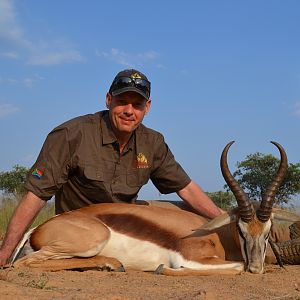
(256, 268)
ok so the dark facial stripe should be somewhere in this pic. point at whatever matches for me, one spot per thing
(142, 229)
(245, 247)
(265, 245)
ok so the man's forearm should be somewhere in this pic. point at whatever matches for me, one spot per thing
(22, 218)
(194, 196)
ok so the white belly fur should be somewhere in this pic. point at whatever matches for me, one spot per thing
(146, 256)
(134, 253)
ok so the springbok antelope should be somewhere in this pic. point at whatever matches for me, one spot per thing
(164, 240)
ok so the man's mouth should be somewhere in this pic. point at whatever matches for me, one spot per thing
(126, 120)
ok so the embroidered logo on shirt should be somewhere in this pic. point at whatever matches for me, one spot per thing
(141, 161)
(37, 173)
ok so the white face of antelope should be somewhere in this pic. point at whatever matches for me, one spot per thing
(254, 239)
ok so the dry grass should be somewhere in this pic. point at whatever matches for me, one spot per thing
(7, 207)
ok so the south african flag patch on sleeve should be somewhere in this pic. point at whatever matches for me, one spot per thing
(37, 173)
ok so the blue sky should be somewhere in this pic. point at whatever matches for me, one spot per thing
(220, 71)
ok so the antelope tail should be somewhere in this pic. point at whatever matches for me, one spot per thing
(21, 245)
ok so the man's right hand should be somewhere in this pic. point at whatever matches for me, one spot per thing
(3, 263)
(4, 257)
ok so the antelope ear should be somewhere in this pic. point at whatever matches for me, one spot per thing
(285, 215)
(222, 220)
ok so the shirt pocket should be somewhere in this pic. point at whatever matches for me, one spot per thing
(89, 178)
(137, 178)
(92, 184)
(92, 174)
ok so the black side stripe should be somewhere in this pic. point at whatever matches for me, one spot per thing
(245, 249)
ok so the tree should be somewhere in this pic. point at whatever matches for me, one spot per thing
(224, 200)
(255, 173)
(12, 182)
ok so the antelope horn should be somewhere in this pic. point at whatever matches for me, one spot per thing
(265, 209)
(242, 199)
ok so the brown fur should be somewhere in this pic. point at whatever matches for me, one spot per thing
(207, 247)
(83, 232)
(255, 227)
(146, 230)
(60, 233)
(141, 229)
(228, 241)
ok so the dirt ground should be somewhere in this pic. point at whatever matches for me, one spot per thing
(25, 284)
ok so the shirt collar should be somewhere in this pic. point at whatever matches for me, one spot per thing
(130, 143)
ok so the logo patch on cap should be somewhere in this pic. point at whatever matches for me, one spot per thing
(136, 75)
(141, 161)
(37, 173)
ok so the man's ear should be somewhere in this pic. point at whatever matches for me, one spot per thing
(108, 100)
(148, 105)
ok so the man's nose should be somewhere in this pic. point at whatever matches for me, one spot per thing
(128, 108)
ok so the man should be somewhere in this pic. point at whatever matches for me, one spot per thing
(104, 157)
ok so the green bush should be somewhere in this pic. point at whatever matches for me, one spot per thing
(224, 200)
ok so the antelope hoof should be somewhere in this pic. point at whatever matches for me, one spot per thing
(109, 268)
(120, 269)
(106, 268)
(159, 269)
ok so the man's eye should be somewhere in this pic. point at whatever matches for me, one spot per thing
(138, 105)
(122, 102)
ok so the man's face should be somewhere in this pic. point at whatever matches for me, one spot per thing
(126, 111)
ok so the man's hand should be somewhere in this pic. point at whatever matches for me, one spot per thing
(4, 257)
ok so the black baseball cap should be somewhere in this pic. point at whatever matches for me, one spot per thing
(131, 80)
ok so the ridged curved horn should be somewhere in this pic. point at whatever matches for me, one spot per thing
(242, 199)
(265, 209)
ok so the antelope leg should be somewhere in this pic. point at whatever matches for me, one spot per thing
(89, 263)
(162, 270)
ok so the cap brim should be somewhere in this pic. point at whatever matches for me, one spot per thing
(129, 89)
